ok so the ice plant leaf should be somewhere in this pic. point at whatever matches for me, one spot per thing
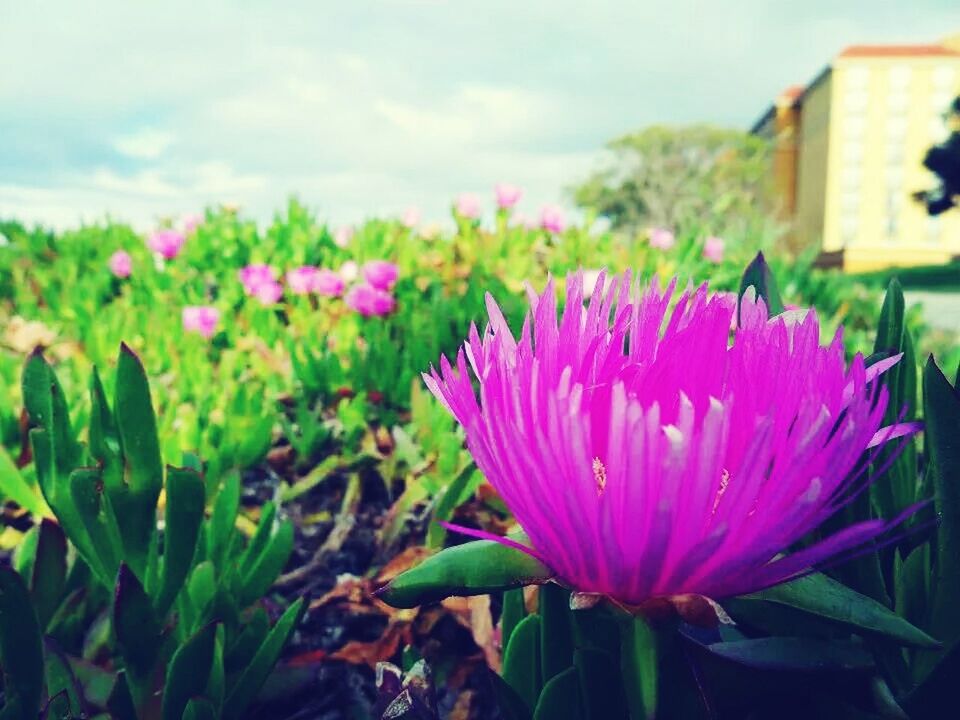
(120, 703)
(601, 688)
(137, 628)
(797, 654)
(561, 699)
(638, 664)
(514, 610)
(474, 568)
(99, 522)
(521, 660)
(759, 276)
(824, 597)
(184, 513)
(188, 672)
(137, 427)
(252, 677)
(556, 633)
(49, 572)
(512, 706)
(60, 679)
(14, 487)
(200, 709)
(937, 690)
(941, 403)
(21, 652)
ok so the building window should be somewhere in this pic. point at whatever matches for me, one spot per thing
(856, 101)
(944, 78)
(938, 129)
(853, 152)
(854, 126)
(850, 179)
(858, 77)
(849, 226)
(898, 101)
(896, 127)
(850, 201)
(933, 229)
(899, 76)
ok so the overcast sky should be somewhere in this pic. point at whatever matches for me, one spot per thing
(365, 108)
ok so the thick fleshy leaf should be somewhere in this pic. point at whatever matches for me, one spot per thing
(556, 632)
(474, 568)
(99, 521)
(759, 276)
(120, 703)
(21, 652)
(188, 672)
(601, 689)
(251, 679)
(447, 503)
(14, 487)
(184, 514)
(824, 597)
(937, 691)
(137, 628)
(137, 427)
(512, 706)
(200, 709)
(521, 661)
(561, 698)
(49, 571)
(60, 679)
(795, 654)
(514, 610)
(941, 403)
(261, 567)
(221, 528)
(638, 665)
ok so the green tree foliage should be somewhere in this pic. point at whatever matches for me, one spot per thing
(943, 160)
(663, 175)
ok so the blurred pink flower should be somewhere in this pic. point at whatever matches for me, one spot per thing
(349, 271)
(201, 319)
(327, 282)
(191, 222)
(369, 301)
(302, 280)
(590, 279)
(662, 238)
(166, 242)
(410, 217)
(120, 264)
(713, 249)
(255, 275)
(342, 236)
(468, 206)
(268, 293)
(552, 219)
(507, 195)
(381, 274)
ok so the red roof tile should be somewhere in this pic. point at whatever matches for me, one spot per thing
(897, 51)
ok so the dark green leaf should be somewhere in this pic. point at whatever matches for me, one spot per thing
(184, 513)
(561, 698)
(188, 672)
(556, 633)
(99, 522)
(264, 568)
(601, 689)
(512, 706)
(251, 679)
(638, 665)
(521, 660)
(15, 487)
(824, 597)
(759, 276)
(447, 504)
(937, 691)
(120, 703)
(200, 709)
(60, 679)
(795, 654)
(137, 628)
(49, 572)
(514, 610)
(474, 568)
(221, 529)
(21, 652)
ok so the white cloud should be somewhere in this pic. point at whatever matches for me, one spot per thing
(145, 144)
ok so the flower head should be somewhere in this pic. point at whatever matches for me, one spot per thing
(662, 238)
(201, 319)
(302, 280)
(507, 195)
(327, 282)
(467, 206)
(120, 264)
(255, 275)
(713, 248)
(552, 219)
(268, 293)
(190, 222)
(166, 242)
(645, 462)
(381, 274)
(369, 301)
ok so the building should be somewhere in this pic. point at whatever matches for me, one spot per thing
(848, 151)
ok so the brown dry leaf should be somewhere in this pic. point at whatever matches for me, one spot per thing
(474, 614)
(413, 555)
(463, 708)
(382, 649)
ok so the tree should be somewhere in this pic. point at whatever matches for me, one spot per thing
(943, 160)
(664, 175)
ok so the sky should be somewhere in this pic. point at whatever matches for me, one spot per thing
(141, 111)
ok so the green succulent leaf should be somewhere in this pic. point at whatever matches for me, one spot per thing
(137, 628)
(514, 610)
(61, 680)
(556, 632)
(795, 654)
(521, 661)
(184, 514)
(49, 571)
(99, 522)
(21, 651)
(188, 672)
(15, 487)
(759, 276)
(474, 568)
(561, 698)
(512, 706)
(120, 703)
(638, 665)
(200, 709)
(600, 684)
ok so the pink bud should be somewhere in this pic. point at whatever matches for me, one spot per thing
(713, 248)
(468, 206)
(662, 238)
(269, 293)
(381, 274)
(120, 264)
(255, 275)
(327, 282)
(369, 301)
(552, 219)
(166, 242)
(302, 280)
(507, 195)
(201, 319)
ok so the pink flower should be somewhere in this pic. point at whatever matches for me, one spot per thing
(369, 301)
(646, 463)
(166, 242)
(255, 275)
(662, 238)
(201, 319)
(342, 236)
(349, 271)
(302, 280)
(268, 293)
(552, 219)
(468, 206)
(507, 195)
(327, 282)
(713, 249)
(120, 264)
(381, 274)
(410, 218)
(191, 222)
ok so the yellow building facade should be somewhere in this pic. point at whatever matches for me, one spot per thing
(848, 151)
